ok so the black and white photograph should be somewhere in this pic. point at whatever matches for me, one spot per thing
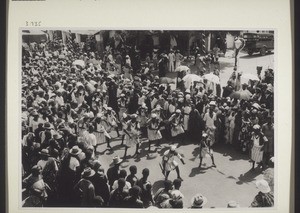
(150, 119)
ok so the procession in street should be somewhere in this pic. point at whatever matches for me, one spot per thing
(147, 119)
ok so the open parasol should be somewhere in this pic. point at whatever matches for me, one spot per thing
(248, 76)
(182, 68)
(79, 63)
(212, 78)
(190, 78)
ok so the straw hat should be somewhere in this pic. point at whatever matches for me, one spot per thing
(88, 172)
(117, 160)
(44, 152)
(172, 147)
(233, 204)
(199, 201)
(75, 151)
(263, 186)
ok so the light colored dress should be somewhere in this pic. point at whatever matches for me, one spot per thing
(153, 131)
(186, 117)
(133, 130)
(100, 133)
(169, 159)
(256, 151)
(177, 127)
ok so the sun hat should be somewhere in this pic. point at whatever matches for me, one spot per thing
(75, 151)
(47, 125)
(134, 116)
(172, 147)
(233, 204)
(263, 186)
(88, 172)
(176, 195)
(199, 201)
(117, 160)
(153, 115)
(204, 134)
(256, 126)
(212, 103)
(44, 152)
(57, 136)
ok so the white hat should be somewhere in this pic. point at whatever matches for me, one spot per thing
(172, 147)
(153, 115)
(256, 126)
(263, 186)
(178, 111)
(212, 103)
(233, 204)
(199, 200)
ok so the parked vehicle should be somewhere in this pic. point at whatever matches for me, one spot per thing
(258, 42)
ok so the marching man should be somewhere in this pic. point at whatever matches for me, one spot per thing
(176, 121)
(169, 163)
(205, 149)
(112, 120)
(132, 133)
(154, 133)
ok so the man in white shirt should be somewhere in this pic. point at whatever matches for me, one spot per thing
(238, 45)
(171, 57)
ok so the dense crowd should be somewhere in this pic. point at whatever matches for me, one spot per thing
(74, 99)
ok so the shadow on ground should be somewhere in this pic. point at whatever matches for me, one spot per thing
(247, 177)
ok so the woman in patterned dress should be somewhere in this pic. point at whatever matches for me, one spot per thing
(257, 140)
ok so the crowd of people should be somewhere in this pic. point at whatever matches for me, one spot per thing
(74, 99)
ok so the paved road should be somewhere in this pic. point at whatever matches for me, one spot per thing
(231, 180)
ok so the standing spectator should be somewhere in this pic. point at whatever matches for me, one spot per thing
(133, 201)
(268, 131)
(118, 195)
(122, 174)
(171, 58)
(35, 183)
(178, 58)
(132, 178)
(258, 140)
(113, 172)
(163, 194)
(86, 189)
(265, 197)
(99, 181)
(119, 62)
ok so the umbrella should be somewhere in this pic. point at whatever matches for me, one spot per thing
(182, 68)
(242, 95)
(190, 78)
(248, 76)
(212, 78)
(167, 80)
(79, 63)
